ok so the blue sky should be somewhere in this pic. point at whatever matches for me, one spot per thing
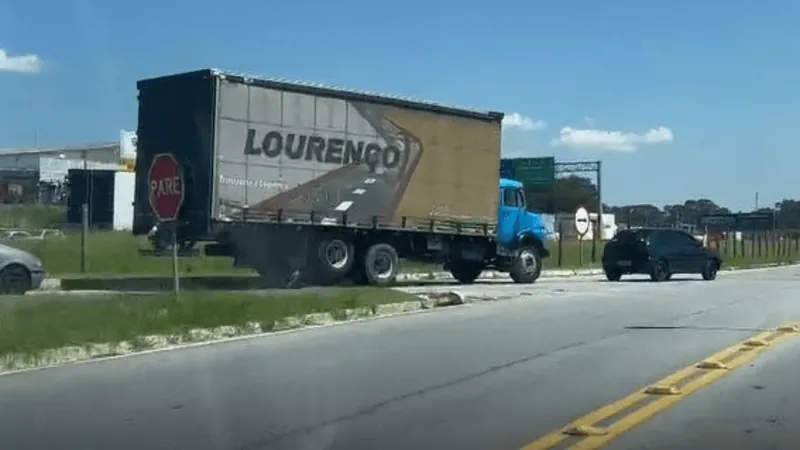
(717, 82)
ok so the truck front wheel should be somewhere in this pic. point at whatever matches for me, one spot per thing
(526, 265)
(466, 272)
(381, 264)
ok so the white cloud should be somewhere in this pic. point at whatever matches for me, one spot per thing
(517, 120)
(29, 63)
(593, 139)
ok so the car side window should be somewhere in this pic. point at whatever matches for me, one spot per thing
(677, 239)
(659, 240)
(687, 240)
(510, 198)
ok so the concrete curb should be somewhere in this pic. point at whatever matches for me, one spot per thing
(73, 354)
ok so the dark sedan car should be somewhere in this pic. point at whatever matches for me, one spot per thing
(659, 253)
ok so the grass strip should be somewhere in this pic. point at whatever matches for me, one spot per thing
(30, 324)
(117, 253)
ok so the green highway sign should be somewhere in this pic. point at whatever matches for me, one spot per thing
(532, 172)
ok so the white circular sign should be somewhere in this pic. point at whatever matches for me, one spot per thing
(582, 221)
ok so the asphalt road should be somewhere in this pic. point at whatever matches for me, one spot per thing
(756, 407)
(492, 375)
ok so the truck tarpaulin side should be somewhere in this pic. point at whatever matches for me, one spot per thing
(298, 152)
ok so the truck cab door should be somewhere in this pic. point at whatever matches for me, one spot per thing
(512, 205)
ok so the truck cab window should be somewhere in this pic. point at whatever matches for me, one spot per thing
(520, 198)
(510, 198)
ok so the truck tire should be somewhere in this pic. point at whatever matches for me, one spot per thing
(161, 240)
(526, 265)
(466, 272)
(335, 257)
(381, 264)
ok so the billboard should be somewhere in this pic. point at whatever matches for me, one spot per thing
(739, 222)
(531, 172)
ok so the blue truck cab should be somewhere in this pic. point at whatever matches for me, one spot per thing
(520, 234)
(518, 245)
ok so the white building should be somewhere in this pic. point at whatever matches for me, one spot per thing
(52, 164)
(567, 223)
(30, 175)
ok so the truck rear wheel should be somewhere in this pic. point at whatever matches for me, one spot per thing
(381, 264)
(335, 257)
(526, 265)
(466, 272)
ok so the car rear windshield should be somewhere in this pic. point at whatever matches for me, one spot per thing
(630, 236)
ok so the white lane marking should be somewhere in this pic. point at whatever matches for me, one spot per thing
(344, 206)
(370, 181)
(359, 191)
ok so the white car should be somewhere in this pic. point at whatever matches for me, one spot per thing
(20, 271)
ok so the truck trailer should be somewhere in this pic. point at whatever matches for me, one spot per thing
(309, 184)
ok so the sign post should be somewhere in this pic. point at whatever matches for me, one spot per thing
(165, 185)
(582, 224)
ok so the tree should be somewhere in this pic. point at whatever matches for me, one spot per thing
(638, 215)
(566, 194)
(569, 193)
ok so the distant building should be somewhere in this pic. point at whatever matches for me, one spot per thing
(566, 222)
(37, 175)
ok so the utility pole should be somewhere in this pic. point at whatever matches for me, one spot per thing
(756, 201)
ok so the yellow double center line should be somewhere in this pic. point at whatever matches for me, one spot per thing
(600, 427)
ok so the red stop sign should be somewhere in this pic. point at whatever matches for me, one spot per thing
(165, 186)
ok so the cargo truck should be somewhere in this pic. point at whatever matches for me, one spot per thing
(305, 182)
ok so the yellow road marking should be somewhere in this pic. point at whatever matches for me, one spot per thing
(588, 435)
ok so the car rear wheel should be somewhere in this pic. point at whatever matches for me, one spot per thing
(710, 270)
(660, 272)
(15, 279)
(613, 274)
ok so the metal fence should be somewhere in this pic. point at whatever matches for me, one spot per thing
(755, 245)
(568, 250)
